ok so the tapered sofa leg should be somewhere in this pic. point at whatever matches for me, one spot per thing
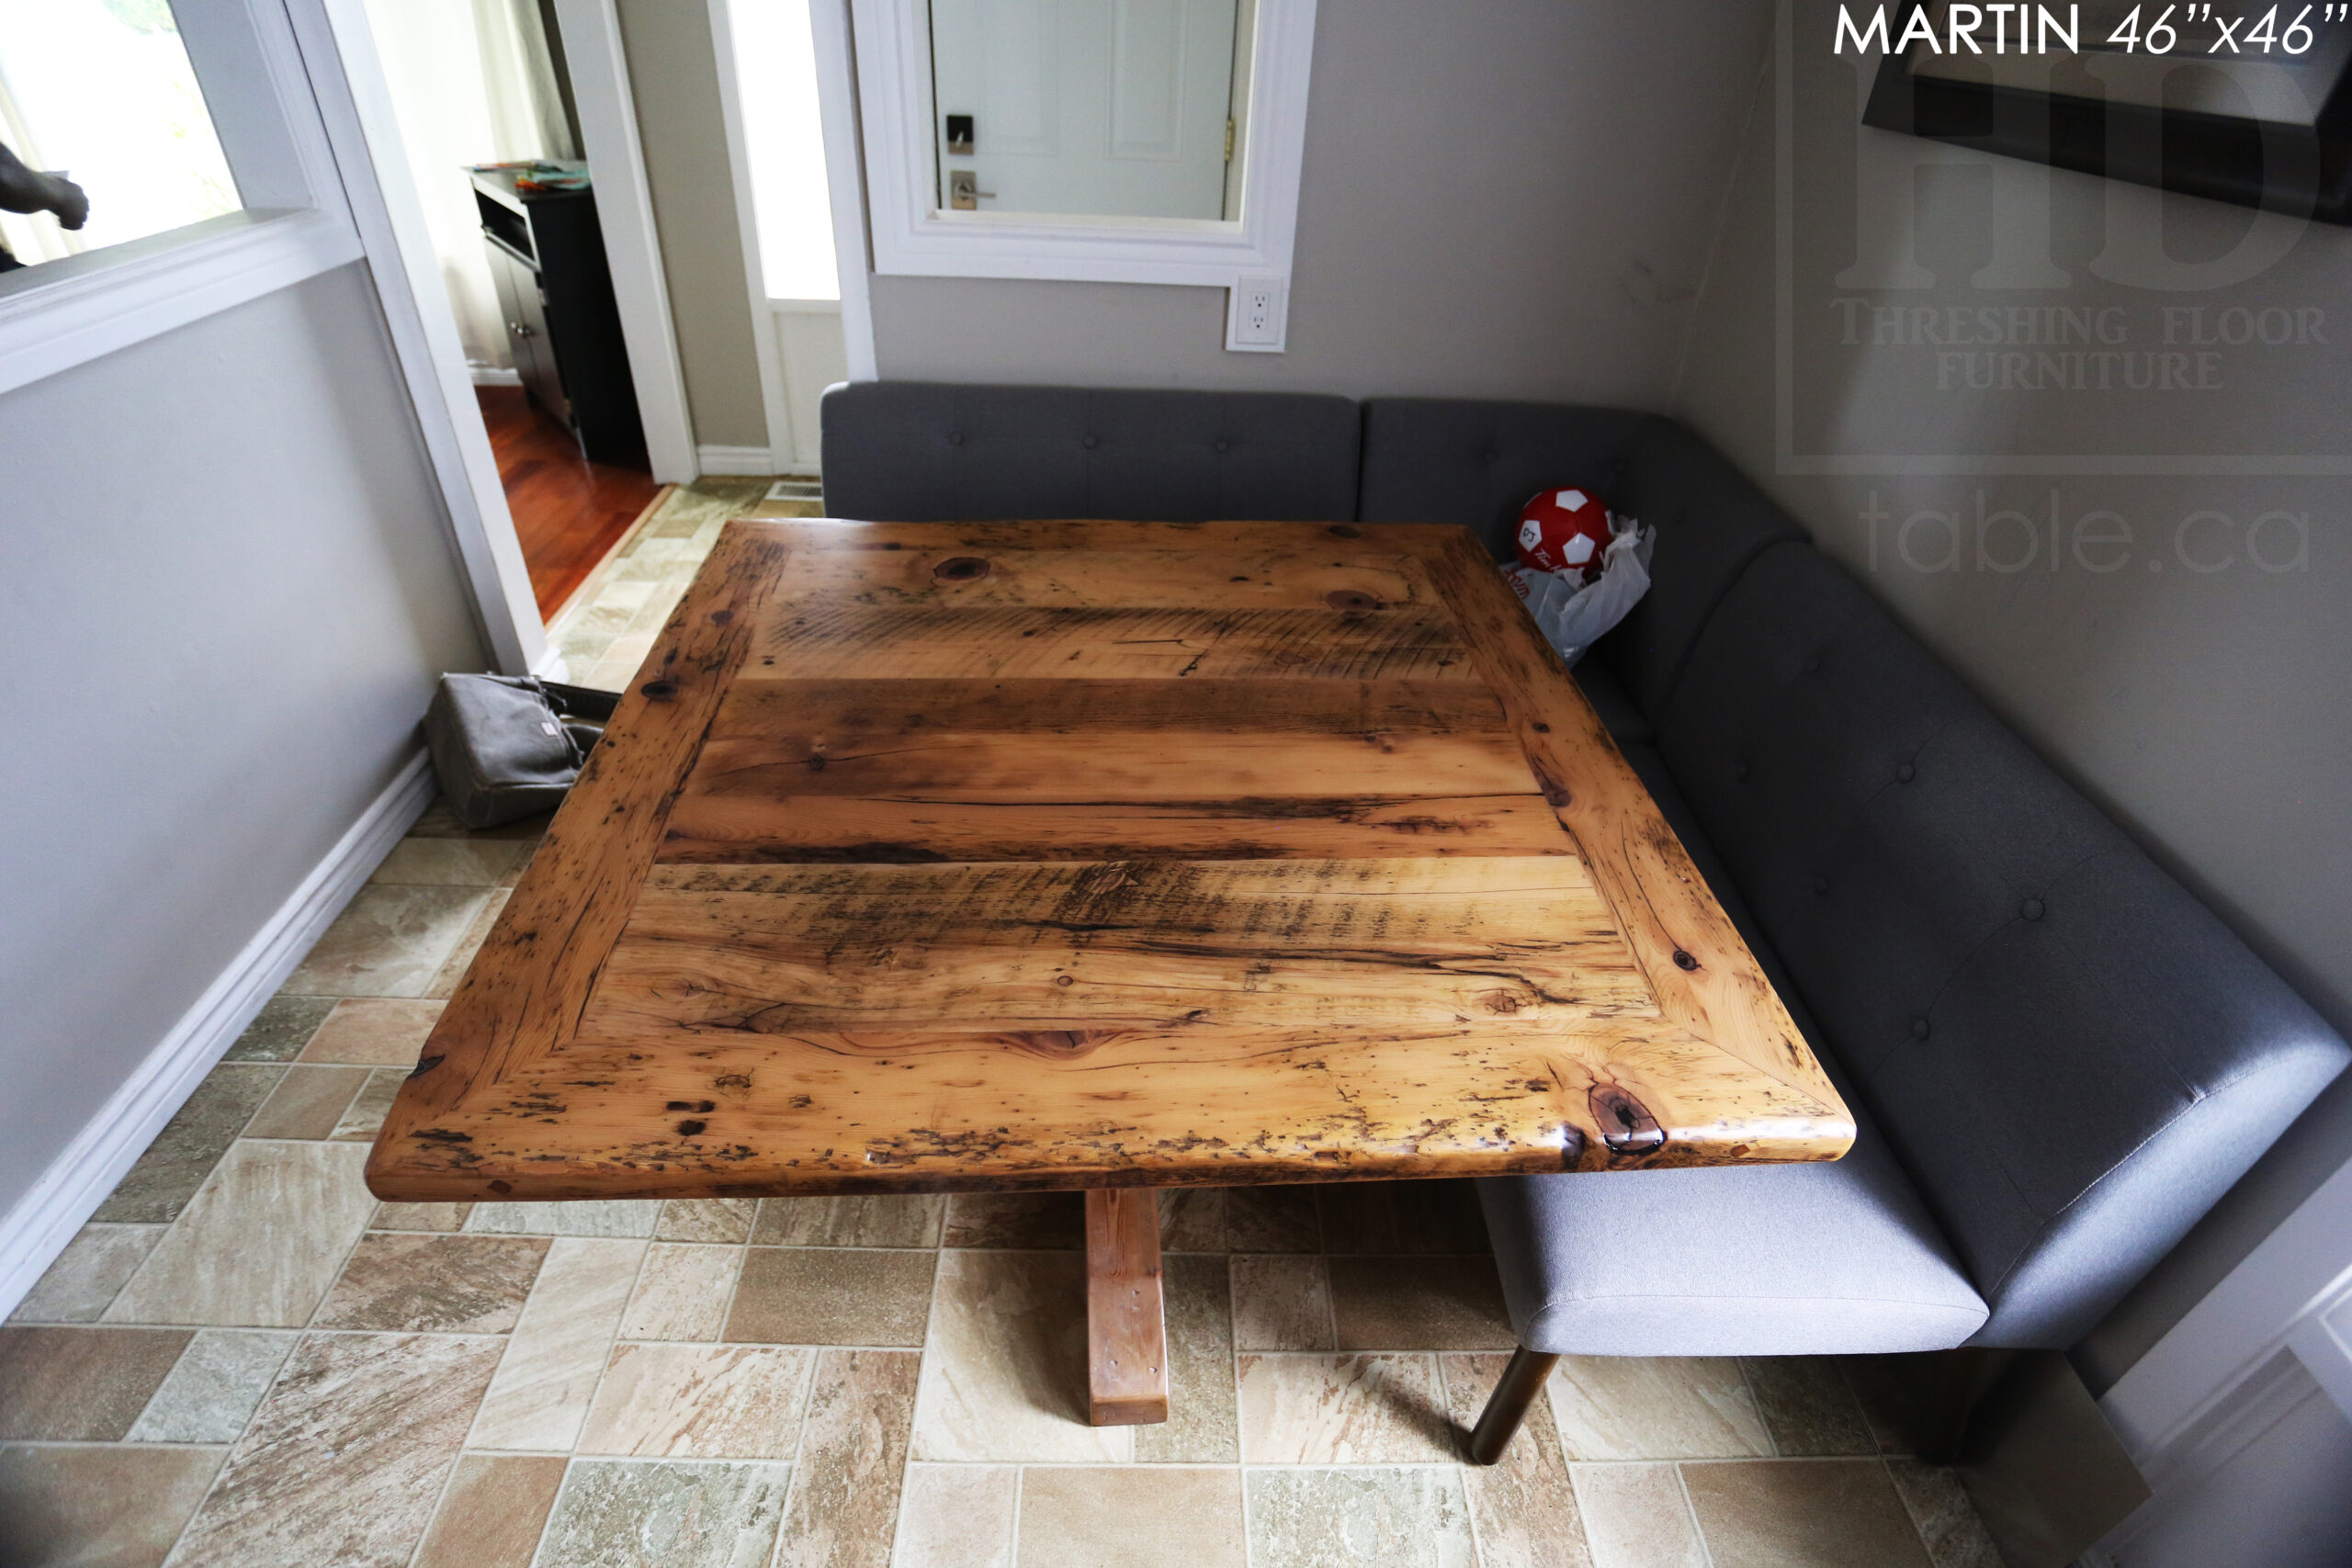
(1508, 1405)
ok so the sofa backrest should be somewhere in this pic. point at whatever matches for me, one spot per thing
(1440, 460)
(2070, 1054)
(920, 452)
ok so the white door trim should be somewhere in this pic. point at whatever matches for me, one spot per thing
(608, 108)
(347, 80)
(837, 109)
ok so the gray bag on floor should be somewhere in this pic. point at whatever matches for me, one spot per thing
(506, 746)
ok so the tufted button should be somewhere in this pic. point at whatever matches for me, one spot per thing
(1490, 455)
(1821, 884)
(2031, 909)
(1813, 665)
(1224, 446)
(1918, 1029)
(1087, 442)
(1906, 773)
(1739, 771)
(955, 438)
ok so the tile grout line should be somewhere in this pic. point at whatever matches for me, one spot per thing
(1233, 1371)
(1462, 1468)
(795, 1476)
(923, 1378)
(456, 1462)
(1020, 1486)
(300, 1332)
(1690, 1513)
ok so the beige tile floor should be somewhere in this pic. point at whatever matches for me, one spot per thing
(606, 631)
(244, 1360)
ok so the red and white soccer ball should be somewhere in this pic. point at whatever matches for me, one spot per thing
(1563, 530)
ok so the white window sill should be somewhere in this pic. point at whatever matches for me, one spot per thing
(59, 314)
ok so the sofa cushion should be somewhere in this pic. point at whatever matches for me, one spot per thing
(916, 451)
(1439, 461)
(1787, 1260)
(2073, 1057)
(1766, 1260)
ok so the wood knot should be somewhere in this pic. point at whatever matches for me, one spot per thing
(1626, 1125)
(658, 689)
(961, 569)
(720, 617)
(1684, 961)
(704, 1106)
(1346, 531)
(691, 1128)
(502, 1187)
(817, 763)
(426, 1065)
(1350, 599)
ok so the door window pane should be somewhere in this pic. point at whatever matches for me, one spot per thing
(102, 90)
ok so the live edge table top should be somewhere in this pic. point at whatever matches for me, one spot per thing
(926, 857)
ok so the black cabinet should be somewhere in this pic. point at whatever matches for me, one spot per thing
(547, 261)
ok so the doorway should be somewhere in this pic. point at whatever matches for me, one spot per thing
(485, 112)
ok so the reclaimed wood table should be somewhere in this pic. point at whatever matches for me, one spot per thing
(1102, 855)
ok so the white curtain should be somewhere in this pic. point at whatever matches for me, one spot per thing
(471, 83)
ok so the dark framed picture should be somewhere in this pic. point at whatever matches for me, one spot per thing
(2216, 111)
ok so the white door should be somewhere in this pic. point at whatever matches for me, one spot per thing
(1108, 107)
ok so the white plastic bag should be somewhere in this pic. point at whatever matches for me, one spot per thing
(1573, 615)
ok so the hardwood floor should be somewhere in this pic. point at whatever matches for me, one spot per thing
(568, 511)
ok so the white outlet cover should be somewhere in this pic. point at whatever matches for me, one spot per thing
(1241, 336)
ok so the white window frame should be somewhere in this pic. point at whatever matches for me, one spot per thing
(912, 237)
(296, 222)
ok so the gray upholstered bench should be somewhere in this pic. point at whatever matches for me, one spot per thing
(2059, 1058)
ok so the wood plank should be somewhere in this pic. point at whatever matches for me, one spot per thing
(1701, 973)
(1112, 765)
(818, 639)
(1126, 1333)
(1283, 576)
(1099, 534)
(914, 829)
(674, 1111)
(866, 706)
(1269, 943)
(523, 996)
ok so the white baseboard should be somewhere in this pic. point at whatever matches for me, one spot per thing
(78, 1180)
(491, 376)
(743, 460)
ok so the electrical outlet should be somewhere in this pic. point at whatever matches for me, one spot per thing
(1256, 313)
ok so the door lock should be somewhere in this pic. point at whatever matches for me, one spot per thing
(963, 192)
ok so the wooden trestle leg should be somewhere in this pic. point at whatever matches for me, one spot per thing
(1126, 1337)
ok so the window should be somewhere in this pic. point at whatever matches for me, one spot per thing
(103, 91)
(206, 151)
(784, 148)
(977, 113)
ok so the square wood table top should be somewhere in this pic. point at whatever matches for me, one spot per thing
(1035, 855)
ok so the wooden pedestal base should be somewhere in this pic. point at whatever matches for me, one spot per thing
(1127, 1338)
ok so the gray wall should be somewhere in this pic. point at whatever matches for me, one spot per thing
(226, 588)
(1500, 198)
(674, 74)
(2211, 713)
